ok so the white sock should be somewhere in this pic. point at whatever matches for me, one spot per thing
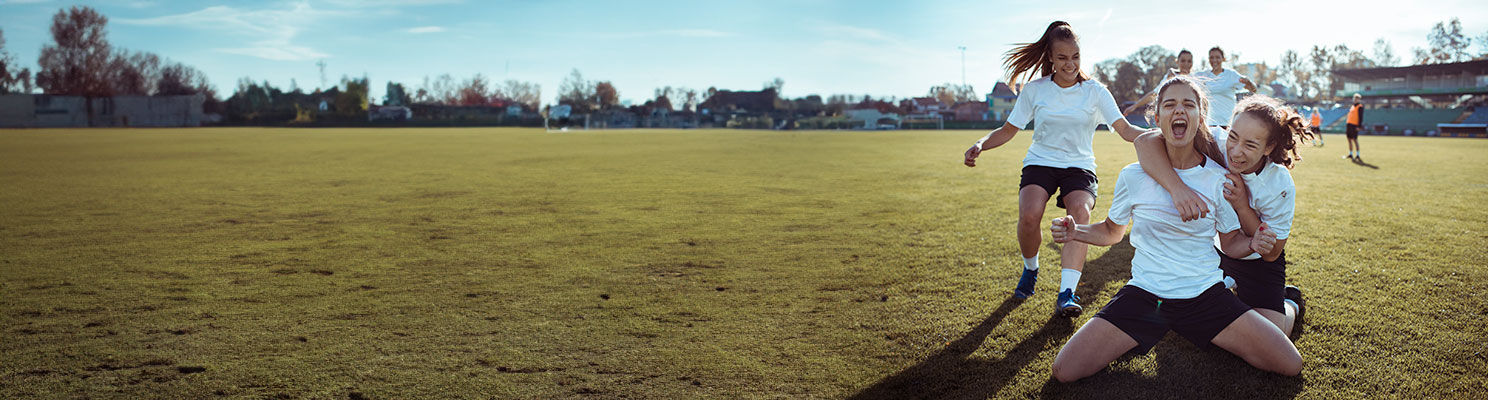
(1031, 263)
(1229, 282)
(1068, 279)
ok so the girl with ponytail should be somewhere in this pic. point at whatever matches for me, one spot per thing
(1065, 106)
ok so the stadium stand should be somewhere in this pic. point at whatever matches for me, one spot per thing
(1478, 116)
(1397, 121)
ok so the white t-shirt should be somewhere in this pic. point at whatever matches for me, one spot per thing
(1222, 89)
(1174, 259)
(1273, 195)
(1064, 121)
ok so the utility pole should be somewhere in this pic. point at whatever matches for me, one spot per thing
(963, 65)
(321, 64)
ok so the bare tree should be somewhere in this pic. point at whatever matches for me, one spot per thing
(1384, 55)
(576, 92)
(605, 95)
(12, 79)
(132, 73)
(179, 79)
(1447, 44)
(1295, 73)
(525, 93)
(77, 62)
(473, 92)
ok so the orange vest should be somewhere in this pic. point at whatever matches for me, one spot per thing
(1353, 116)
(1317, 119)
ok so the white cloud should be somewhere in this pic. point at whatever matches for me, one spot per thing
(694, 33)
(278, 52)
(269, 34)
(690, 33)
(425, 29)
(388, 3)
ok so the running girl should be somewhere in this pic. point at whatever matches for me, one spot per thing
(1065, 106)
(1222, 85)
(1185, 67)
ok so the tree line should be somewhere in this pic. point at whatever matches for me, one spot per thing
(81, 62)
(1307, 73)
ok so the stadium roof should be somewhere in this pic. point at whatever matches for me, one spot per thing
(1475, 67)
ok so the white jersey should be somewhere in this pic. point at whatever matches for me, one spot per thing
(1222, 89)
(1273, 195)
(1173, 259)
(1064, 121)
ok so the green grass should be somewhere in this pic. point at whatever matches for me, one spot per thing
(512, 263)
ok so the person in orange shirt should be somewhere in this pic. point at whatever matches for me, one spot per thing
(1355, 120)
(1317, 128)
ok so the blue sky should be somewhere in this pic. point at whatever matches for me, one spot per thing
(888, 48)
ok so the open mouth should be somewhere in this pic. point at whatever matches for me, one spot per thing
(1180, 128)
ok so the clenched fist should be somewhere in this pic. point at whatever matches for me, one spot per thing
(1063, 228)
(1264, 240)
(971, 155)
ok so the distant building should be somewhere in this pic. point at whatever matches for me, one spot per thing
(970, 111)
(1418, 86)
(871, 118)
(41, 111)
(389, 113)
(1000, 102)
(727, 101)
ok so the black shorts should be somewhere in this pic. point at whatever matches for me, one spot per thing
(1063, 179)
(1316, 131)
(1258, 283)
(1352, 131)
(1147, 318)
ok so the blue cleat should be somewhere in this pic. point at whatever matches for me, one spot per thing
(1066, 306)
(1025, 284)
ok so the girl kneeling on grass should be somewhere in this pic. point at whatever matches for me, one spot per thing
(1176, 281)
(1065, 106)
(1259, 149)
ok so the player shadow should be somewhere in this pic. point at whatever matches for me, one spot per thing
(953, 372)
(1183, 371)
(1360, 162)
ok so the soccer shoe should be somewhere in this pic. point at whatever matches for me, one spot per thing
(1066, 306)
(1025, 284)
(1295, 296)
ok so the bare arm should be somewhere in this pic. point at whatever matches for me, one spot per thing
(1145, 100)
(1248, 84)
(1126, 130)
(1152, 153)
(997, 137)
(1237, 244)
(1238, 194)
(1104, 233)
(1276, 249)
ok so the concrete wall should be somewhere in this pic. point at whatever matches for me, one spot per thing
(17, 111)
(44, 111)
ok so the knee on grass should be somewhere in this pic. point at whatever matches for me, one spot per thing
(1064, 374)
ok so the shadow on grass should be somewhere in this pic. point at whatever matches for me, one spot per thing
(953, 373)
(1182, 371)
(1360, 162)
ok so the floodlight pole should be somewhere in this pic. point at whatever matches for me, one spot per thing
(963, 65)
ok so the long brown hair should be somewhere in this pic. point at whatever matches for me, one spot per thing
(1204, 143)
(1028, 57)
(1283, 126)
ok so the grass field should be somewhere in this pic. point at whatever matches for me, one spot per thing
(512, 263)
